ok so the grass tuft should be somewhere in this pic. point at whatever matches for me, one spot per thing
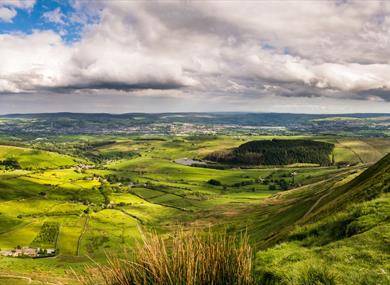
(190, 257)
(317, 276)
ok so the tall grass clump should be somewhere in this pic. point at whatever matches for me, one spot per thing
(189, 257)
(316, 275)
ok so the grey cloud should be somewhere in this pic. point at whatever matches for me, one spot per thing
(372, 93)
(305, 49)
(120, 86)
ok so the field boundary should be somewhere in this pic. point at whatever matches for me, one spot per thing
(82, 234)
(132, 216)
(352, 150)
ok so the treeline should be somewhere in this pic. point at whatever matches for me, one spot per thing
(10, 163)
(276, 152)
(99, 157)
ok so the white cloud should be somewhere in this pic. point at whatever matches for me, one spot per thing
(32, 62)
(7, 8)
(7, 14)
(302, 48)
(21, 4)
(55, 16)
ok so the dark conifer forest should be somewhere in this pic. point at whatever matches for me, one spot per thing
(276, 152)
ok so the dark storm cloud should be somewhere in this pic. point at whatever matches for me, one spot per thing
(120, 86)
(375, 93)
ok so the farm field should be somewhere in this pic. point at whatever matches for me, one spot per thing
(87, 201)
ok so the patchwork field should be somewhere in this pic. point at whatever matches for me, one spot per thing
(89, 200)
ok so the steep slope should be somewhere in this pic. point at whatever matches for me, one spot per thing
(270, 221)
(368, 185)
(345, 239)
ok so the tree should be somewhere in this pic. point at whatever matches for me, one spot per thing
(11, 163)
(214, 182)
(283, 184)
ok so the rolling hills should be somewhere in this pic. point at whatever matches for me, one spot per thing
(88, 195)
(339, 240)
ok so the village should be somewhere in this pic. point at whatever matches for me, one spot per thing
(29, 252)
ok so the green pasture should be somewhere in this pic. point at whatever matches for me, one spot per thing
(36, 159)
(153, 193)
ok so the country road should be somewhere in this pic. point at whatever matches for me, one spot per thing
(317, 202)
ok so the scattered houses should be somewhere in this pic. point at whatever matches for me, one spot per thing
(29, 252)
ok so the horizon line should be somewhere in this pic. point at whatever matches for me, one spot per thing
(187, 112)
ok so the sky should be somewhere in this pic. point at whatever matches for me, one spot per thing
(119, 56)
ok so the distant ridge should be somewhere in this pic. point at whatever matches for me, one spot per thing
(96, 123)
(50, 114)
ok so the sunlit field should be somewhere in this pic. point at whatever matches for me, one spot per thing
(103, 207)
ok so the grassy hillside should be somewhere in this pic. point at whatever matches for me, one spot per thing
(36, 159)
(272, 219)
(344, 239)
(368, 185)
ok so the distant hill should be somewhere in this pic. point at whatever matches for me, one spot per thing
(102, 123)
(276, 152)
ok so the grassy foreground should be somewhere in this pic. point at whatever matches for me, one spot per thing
(188, 258)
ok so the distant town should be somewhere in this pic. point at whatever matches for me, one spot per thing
(196, 123)
(29, 252)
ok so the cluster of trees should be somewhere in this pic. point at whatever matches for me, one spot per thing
(282, 183)
(113, 178)
(42, 252)
(214, 182)
(87, 150)
(99, 157)
(276, 152)
(10, 163)
(105, 192)
(244, 183)
(273, 184)
(48, 233)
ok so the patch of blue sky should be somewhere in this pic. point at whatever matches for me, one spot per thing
(266, 45)
(69, 26)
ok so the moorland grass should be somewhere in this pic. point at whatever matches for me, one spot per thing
(191, 258)
(348, 248)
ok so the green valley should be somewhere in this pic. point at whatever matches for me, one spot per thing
(66, 200)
